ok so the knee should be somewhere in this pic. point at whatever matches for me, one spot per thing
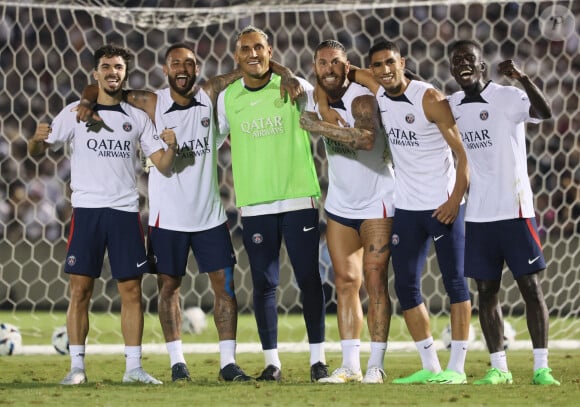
(168, 286)
(80, 294)
(487, 289)
(376, 283)
(222, 286)
(409, 295)
(347, 280)
(530, 288)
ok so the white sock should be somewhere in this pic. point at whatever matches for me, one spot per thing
(132, 357)
(428, 354)
(175, 350)
(377, 356)
(457, 356)
(271, 358)
(499, 360)
(351, 354)
(227, 352)
(77, 356)
(317, 353)
(540, 359)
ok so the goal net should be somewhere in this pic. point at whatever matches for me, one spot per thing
(46, 59)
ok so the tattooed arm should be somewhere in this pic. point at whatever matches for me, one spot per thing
(361, 136)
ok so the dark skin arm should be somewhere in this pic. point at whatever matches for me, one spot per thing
(539, 109)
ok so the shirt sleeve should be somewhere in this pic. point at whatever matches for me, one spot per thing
(149, 139)
(518, 106)
(62, 128)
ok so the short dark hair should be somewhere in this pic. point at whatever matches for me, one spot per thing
(109, 51)
(464, 43)
(178, 46)
(333, 44)
(384, 46)
(252, 29)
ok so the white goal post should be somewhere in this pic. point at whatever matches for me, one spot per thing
(46, 52)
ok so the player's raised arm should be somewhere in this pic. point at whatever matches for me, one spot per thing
(164, 159)
(540, 108)
(37, 144)
(437, 111)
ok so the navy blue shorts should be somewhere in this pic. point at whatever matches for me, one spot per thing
(168, 250)
(489, 244)
(351, 223)
(94, 230)
(413, 232)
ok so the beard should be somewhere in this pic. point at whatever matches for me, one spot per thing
(334, 91)
(182, 90)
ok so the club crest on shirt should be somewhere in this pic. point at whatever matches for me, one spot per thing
(71, 260)
(257, 238)
(127, 126)
(410, 118)
(484, 115)
(395, 240)
(205, 122)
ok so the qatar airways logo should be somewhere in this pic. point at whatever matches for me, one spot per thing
(194, 148)
(263, 126)
(336, 147)
(404, 138)
(110, 148)
(475, 139)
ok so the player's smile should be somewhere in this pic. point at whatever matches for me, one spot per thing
(331, 80)
(181, 80)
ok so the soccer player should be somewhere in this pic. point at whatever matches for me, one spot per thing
(429, 204)
(276, 189)
(500, 218)
(105, 204)
(359, 208)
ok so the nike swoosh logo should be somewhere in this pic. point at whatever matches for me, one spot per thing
(305, 229)
(457, 118)
(254, 102)
(428, 346)
(139, 265)
(532, 261)
(437, 237)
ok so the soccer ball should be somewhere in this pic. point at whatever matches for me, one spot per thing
(60, 340)
(509, 334)
(10, 339)
(446, 335)
(193, 320)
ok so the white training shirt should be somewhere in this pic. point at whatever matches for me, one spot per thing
(361, 183)
(104, 156)
(189, 200)
(423, 161)
(493, 133)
